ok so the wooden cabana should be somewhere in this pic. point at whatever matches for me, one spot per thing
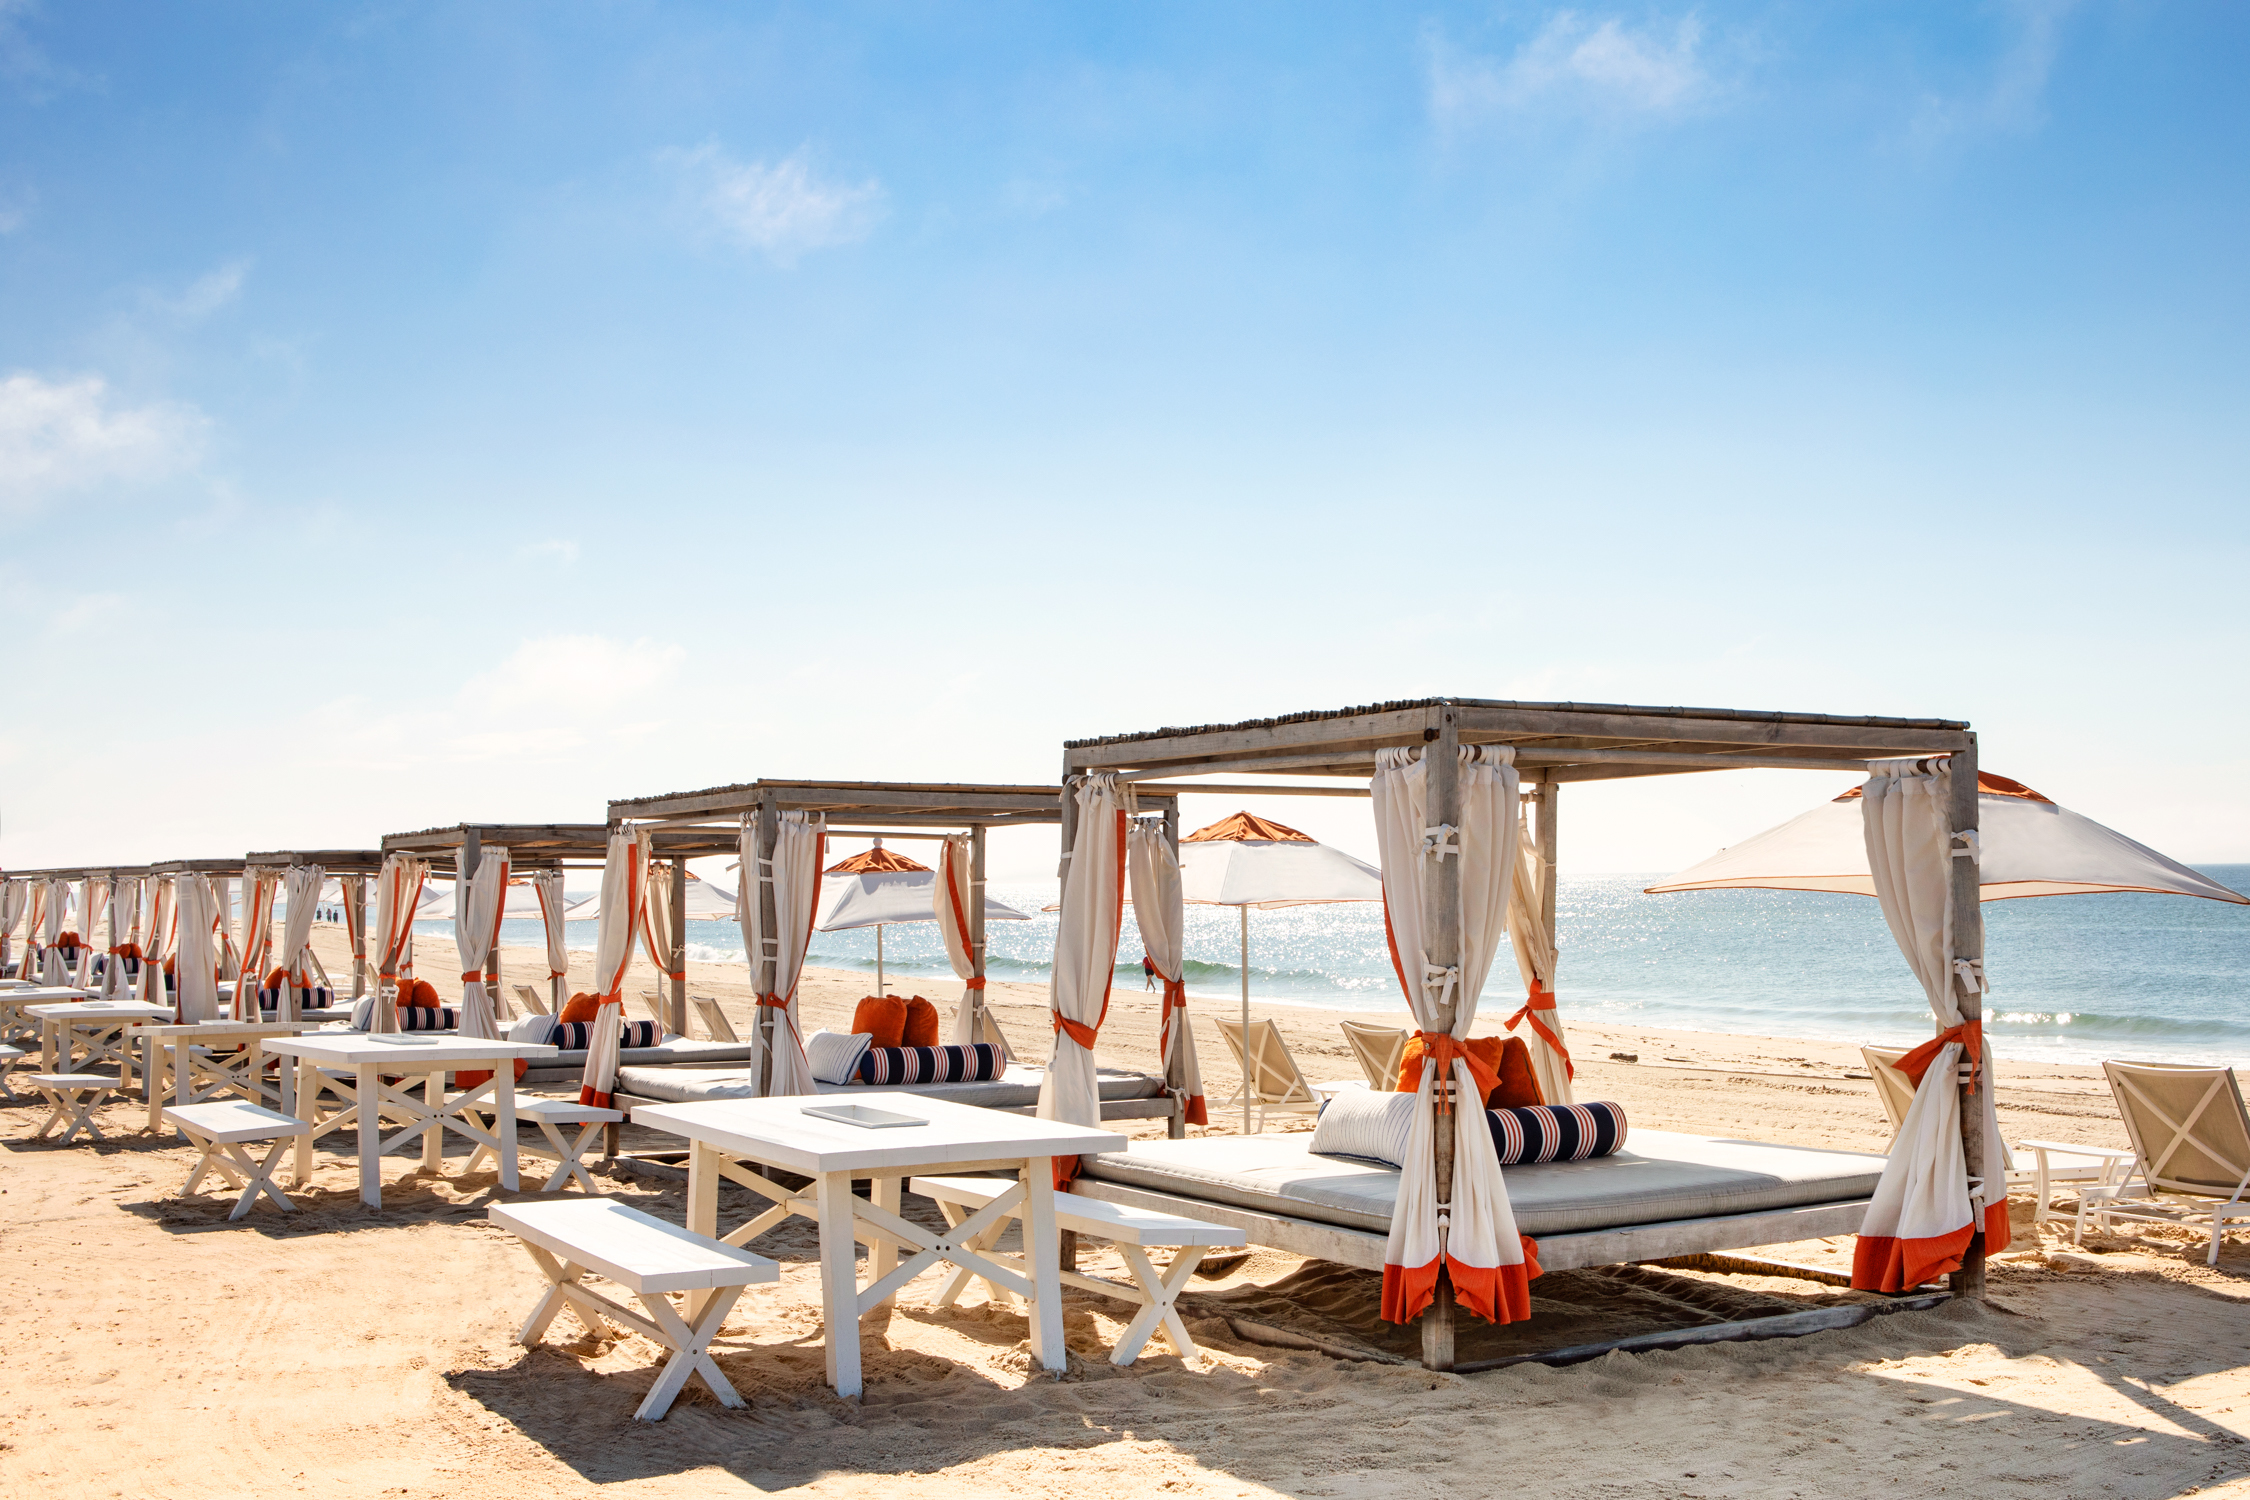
(869, 809)
(352, 869)
(1552, 744)
(567, 846)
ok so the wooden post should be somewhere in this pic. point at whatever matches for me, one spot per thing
(765, 965)
(1248, 1072)
(1441, 943)
(1543, 845)
(977, 999)
(1968, 942)
(1069, 823)
(1175, 1074)
(677, 1023)
(355, 915)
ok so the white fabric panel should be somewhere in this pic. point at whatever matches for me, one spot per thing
(15, 898)
(258, 889)
(197, 967)
(656, 921)
(953, 892)
(163, 920)
(1535, 962)
(624, 877)
(355, 927)
(1482, 1232)
(124, 932)
(1093, 908)
(2030, 849)
(800, 843)
(1273, 872)
(94, 909)
(475, 932)
(302, 888)
(57, 908)
(224, 912)
(547, 885)
(398, 889)
(1155, 874)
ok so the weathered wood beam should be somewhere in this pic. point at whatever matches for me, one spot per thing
(1146, 789)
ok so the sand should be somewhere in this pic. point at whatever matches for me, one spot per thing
(157, 1350)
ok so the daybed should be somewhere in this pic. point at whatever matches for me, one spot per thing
(1124, 1095)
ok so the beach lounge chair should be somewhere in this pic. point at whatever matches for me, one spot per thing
(2191, 1147)
(1378, 1050)
(533, 1003)
(1271, 1080)
(716, 1026)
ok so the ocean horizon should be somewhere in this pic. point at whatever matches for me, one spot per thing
(2075, 978)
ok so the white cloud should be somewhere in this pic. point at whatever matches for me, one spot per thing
(1577, 63)
(207, 293)
(2015, 101)
(60, 436)
(780, 207)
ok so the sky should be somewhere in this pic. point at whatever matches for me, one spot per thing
(412, 413)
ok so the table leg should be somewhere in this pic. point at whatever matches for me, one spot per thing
(504, 1120)
(307, 1088)
(702, 1208)
(47, 1047)
(433, 1139)
(370, 1122)
(1042, 1249)
(882, 1256)
(839, 1281)
(153, 1077)
(124, 1059)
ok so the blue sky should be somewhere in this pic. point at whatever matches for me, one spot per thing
(411, 413)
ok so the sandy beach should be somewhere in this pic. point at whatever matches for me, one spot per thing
(347, 1352)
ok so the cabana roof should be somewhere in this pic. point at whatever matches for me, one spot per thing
(893, 804)
(531, 845)
(1553, 741)
(332, 861)
(233, 866)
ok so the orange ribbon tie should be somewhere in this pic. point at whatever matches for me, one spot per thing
(1970, 1034)
(1539, 1000)
(1080, 1033)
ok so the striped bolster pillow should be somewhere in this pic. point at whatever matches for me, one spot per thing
(980, 1063)
(577, 1036)
(318, 998)
(1556, 1132)
(428, 1018)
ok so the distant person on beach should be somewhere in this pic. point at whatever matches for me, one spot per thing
(1148, 972)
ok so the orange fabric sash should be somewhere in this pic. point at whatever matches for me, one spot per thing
(776, 1002)
(974, 981)
(1442, 1048)
(1970, 1034)
(1079, 1032)
(1497, 1294)
(1543, 1000)
(474, 976)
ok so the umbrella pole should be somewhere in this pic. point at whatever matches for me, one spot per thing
(878, 959)
(1248, 1072)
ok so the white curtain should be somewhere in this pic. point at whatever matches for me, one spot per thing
(1154, 866)
(94, 904)
(1535, 961)
(15, 895)
(624, 873)
(302, 886)
(162, 918)
(1489, 1263)
(258, 887)
(1924, 1212)
(548, 886)
(398, 890)
(800, 848)
(35, 918)
(198, 957)
(124, 938)
(476, 932)
(223, 913)
(952, 895)
(1093, 911)
(355, 925)
(656, 934)
(57, 905)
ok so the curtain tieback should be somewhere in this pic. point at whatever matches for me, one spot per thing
(1443, 1048)
(1175, 994)
(1442, 978)
(974, 981)
(1437, 842)
(677, 976)
(777, 1002)
(556, 973)
(474, 976)
(1078, 1031)
(1970, 1034)
(1540, 1000)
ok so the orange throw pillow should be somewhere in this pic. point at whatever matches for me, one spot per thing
(1503, 1059)
(276, 979)
(921, 1023)
(421, 992)
(582, 1008)
(884, 1018)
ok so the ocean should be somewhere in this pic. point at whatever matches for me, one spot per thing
(2075, 978)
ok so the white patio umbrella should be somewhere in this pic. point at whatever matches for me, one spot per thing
(880, 887)
(707, 901)
(1245, 861)
(2030, 846)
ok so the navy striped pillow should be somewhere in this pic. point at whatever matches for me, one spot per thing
(428, 1018)
(1556, 1132)
(576, 1036)
(887, 1066)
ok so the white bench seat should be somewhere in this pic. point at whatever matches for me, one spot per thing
(220, 1130)
(569, 1156)
(649, 1258)
(72, 1098)
(1134, 1231)
(10, 1057)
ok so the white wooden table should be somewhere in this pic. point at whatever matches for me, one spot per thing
(954, 1138)
(169, 1058)
(367, 1099)
(102, 1026)
(14, 1023)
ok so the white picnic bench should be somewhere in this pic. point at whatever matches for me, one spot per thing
(649, 1258)
(1134, 1231)
(219, 1130)
(72, 1098)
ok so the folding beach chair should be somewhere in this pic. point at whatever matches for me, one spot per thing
(533, 1003)
(1378, 1050)
(1271, 1079)
(2191, 1148)
(716, 1026)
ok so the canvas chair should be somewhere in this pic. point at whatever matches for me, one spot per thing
(716, 1026)
(2053, 1163)
(1378, 1050)
(2191, 1142)
(533, 1003)
(1271, 1079)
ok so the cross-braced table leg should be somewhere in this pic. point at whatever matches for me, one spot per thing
(73, 1104)
(240, 1170)
(1162, 1293)
(690, 1344)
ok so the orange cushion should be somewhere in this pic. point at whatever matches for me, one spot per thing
(276, 979)
(921, 1023)
(1506, 1058)
(884, 1018)
(581, 1008)
(421, 992)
